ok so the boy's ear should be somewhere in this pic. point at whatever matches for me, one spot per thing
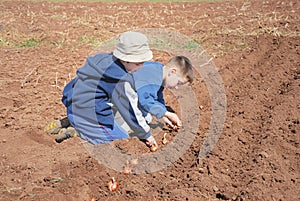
(173, 70)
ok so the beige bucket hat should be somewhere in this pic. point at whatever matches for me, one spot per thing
(133, 47)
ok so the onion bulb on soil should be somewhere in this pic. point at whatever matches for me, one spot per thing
(112, 185)
(153, 148)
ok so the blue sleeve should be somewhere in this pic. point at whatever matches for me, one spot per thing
(151, 100)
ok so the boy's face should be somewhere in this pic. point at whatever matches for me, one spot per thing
(132, 66)
(174, 80)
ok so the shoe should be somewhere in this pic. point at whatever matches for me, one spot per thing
(53, 127)
(66, 133)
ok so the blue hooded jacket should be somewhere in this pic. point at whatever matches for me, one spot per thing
(102, 82)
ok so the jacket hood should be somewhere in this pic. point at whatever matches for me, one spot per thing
(103, 66)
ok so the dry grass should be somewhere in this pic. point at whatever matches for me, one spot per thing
(252, 23)
(54, 27)
(21, 27)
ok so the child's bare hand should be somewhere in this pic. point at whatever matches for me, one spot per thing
(172, 120)
(150, 141)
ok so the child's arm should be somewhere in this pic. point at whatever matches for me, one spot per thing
(150, 101)
(126, 101)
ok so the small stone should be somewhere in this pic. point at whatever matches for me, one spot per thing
(263, 154)
(215, 189)
(201, 170)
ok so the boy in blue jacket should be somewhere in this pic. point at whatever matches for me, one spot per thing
(150, 82)
(153, 78)
(104, 81)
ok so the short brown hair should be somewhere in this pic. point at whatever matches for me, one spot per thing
(184, 65)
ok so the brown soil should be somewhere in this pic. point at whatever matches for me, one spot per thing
(255, 45)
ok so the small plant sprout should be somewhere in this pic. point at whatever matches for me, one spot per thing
(112, 185)
(165, 140)
(127, 169)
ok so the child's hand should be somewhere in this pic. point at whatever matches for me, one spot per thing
(150, 141)
(172, 120)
